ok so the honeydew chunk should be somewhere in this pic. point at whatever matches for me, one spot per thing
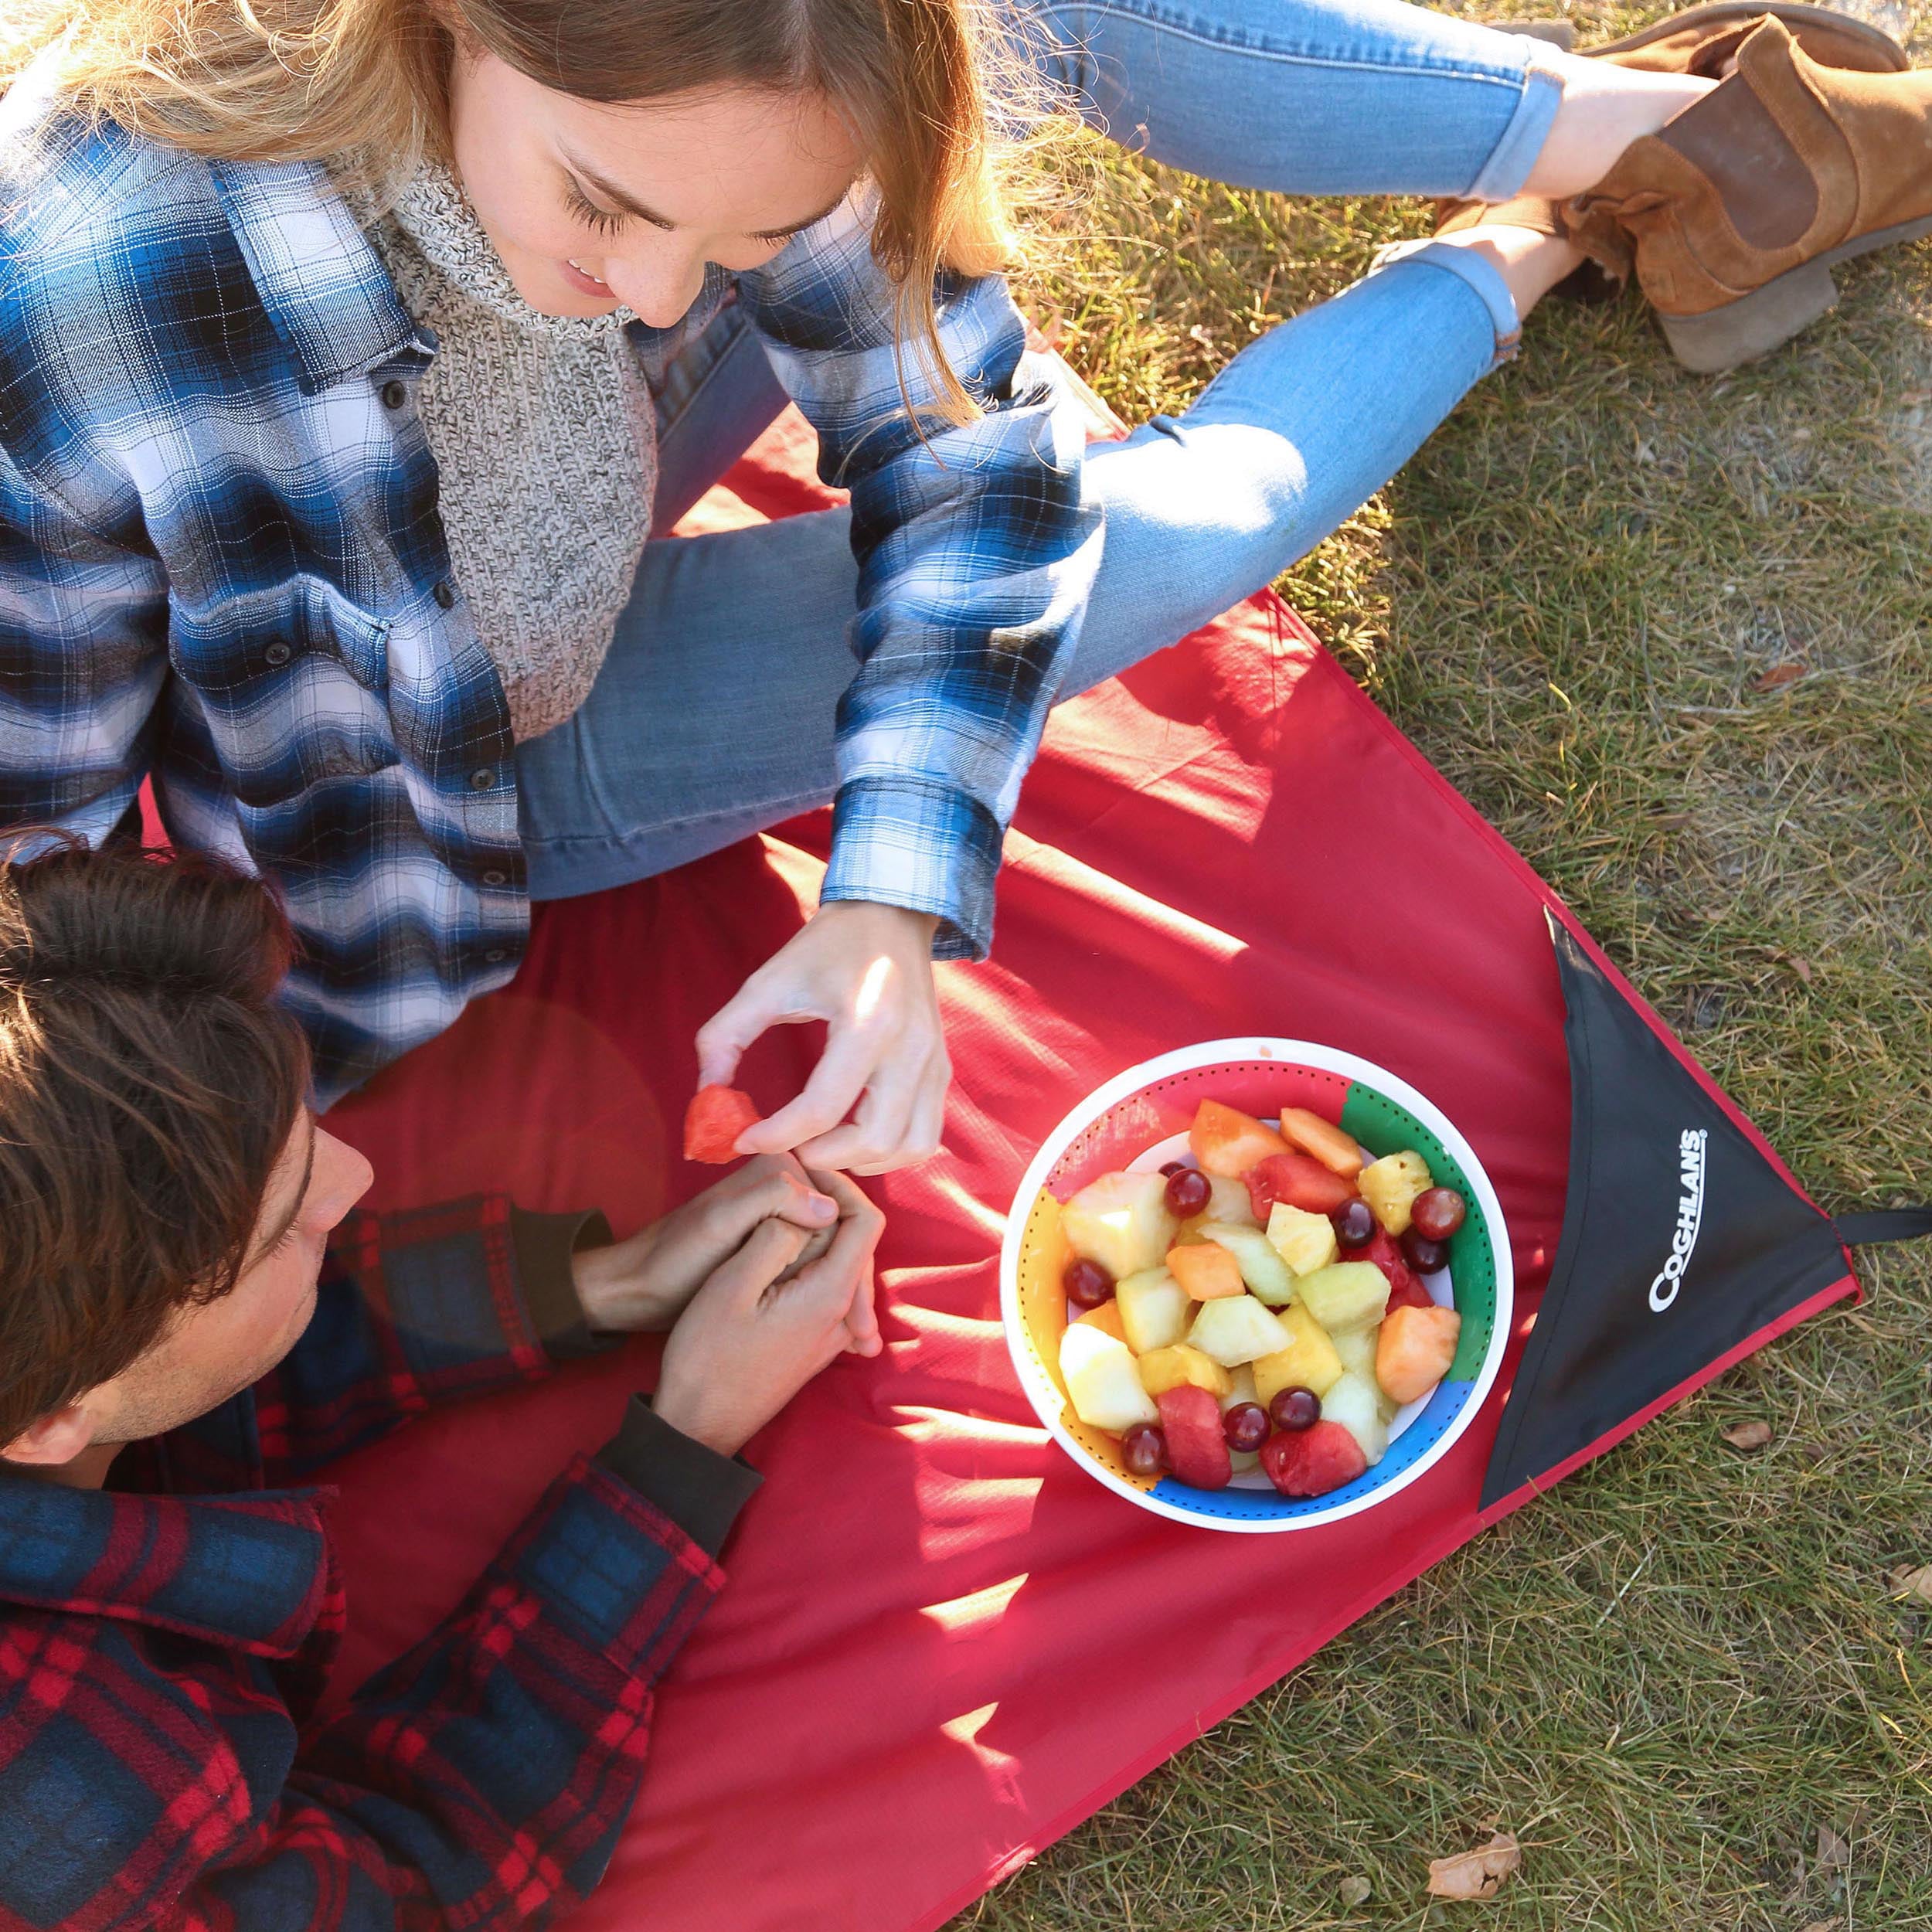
(1355, 1403)
(1305, 1241)
(1229, 1200)
(1390, 1185)
(1236, 1330)
(1264, 1271)
(1122, 1221)
(1310, 1361)
(1103, 1382)
(1344, 1295)
(1171, 1368)
(1356, 1349)
(1155, 1310)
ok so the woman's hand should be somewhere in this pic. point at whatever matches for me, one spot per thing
(642, 1285)
(750, 1341)
(866, 970)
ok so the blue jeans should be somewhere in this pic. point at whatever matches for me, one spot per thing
(712, 715)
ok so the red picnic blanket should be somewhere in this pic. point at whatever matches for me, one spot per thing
(920, 1670)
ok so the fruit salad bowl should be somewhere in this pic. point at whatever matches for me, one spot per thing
(1111, 1153)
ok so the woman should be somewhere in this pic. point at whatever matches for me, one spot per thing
(352, 353)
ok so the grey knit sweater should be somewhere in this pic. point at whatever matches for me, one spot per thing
(544, 436)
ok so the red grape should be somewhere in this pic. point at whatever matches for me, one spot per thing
(1438, 1212)
(1245, 1426)
(1188, 1191)
(1144, 1450)
(1295, 1410)
(1173, 1167)
(1423, 1254)
(1355, 1223)
(1087, 1283)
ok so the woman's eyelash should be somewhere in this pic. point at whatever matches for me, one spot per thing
(286, 1243)
(587, 211)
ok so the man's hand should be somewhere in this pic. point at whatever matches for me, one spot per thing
(750, 1340)
(867, 972)
(642, 1285)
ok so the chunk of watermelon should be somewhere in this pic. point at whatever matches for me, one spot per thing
(712, 1122)
(1310, 1462)
(1197, 1449)
(1405, 1286)
(1295, 1178)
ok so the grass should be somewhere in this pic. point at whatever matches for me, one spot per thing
(1684, 1680)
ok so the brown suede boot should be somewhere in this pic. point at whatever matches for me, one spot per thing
(1733, 215)
(1705, 40)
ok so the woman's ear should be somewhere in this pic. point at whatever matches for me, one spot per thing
(54, 1439)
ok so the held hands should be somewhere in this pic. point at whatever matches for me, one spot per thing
(867, 970)
(751, 1338)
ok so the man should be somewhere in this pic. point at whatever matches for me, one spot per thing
(193, 1321)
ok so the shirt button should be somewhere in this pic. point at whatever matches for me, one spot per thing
(481, 779)
(394, 395)
(278, 653)
(495, 878)
(443, 593)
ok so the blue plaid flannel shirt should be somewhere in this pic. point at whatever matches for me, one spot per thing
(221, 567)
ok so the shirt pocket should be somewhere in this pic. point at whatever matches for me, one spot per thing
(292, 684)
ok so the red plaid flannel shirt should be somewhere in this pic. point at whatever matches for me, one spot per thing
(161, 1651)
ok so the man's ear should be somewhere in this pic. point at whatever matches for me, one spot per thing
(54, 1439)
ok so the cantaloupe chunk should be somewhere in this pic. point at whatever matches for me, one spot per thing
(1236, 1330)
(1164, 1368)
(1206, 1271)
(1122, 1221)
(1304, 1241)
(1107, 1319)
(1226, 1141)
(1310, 1361)
(1334, 1148)
(1390, 1185)
(1155, 1310)
(1348, 1295)
(1415, 1349)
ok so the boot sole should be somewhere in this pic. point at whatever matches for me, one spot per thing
(1756, 324)
(1723, 11)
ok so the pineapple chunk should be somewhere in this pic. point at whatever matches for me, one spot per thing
(1155, 1310)
(1348, 1294)
(1236, 1331)
(1356, 1349)
(1103, 1382)
(1355, 1403)
(1390, 1185)
(1171, 1367)
(1304, 1241)
(1310, 1361)
(1264, 1270)
(1122, 1221)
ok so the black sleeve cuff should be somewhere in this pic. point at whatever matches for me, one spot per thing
(544, 1244)
(700, 1490)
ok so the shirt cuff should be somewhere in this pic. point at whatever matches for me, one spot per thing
(700, 1490)
(544, 1244)
(929, 847)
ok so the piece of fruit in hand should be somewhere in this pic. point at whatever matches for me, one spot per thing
(1355, 1403)
(1296, 1179)
(1415, 1349)
(1206, 1271)
(1349, 1294)
(1173, 1368)
(1310, 1361)
(1155, 1310)
(1103, 1383)
(712, 1122)
(1311, 1462)
(1236, 1330)
(1197, 1451)
(1405, 1286)
(1304, 1241)
(1122, 1221)
(1226, 1141)
(1390, 1185)
(1264, 1271)
(1327, 1143)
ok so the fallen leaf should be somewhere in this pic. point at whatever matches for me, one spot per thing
(1788, 672)
(1825, 1925)
(1914, 1583)
(1801, 967)
(1354, 1890)
(1475, 1874)
(1748, 1435)
(1831, 1849)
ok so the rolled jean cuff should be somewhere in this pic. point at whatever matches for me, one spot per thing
(1509, 163)
(1485, 280)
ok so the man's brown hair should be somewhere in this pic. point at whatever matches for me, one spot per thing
(148, 1085)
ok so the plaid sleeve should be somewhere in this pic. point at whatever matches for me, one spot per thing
(976, 548)
(83, 654)
(413, 1309)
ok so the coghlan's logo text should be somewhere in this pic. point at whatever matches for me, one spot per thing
(1690, 1218)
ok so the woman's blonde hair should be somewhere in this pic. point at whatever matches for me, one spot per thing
(365, 81)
